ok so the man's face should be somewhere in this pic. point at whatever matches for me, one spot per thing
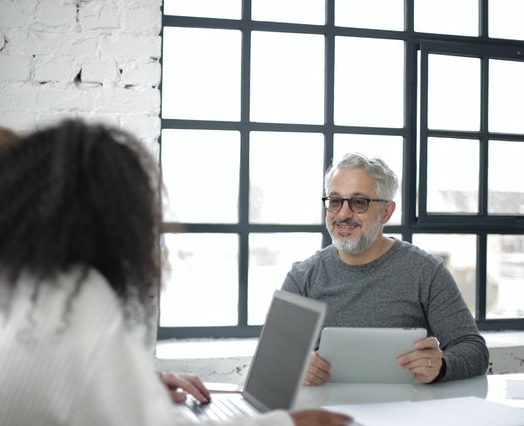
(354, 233)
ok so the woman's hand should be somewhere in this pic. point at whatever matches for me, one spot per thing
(179, 385)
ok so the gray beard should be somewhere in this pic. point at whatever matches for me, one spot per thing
(359, 245)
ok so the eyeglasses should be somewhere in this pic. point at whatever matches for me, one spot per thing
(356, 204)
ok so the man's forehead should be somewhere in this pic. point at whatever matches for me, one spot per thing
(355, 180)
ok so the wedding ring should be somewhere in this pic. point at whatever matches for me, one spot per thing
(429, 363)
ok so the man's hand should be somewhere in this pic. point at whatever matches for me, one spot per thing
(425, 361)
(179, 385)
(318, 371)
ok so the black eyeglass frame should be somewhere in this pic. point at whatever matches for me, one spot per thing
(350, 201)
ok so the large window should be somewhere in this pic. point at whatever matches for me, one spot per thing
(260, 96)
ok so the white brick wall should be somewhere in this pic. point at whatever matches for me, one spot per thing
(95, 59)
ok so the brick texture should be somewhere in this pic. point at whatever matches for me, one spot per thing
(97, 60)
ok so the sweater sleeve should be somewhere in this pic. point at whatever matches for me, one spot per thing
(451, 322)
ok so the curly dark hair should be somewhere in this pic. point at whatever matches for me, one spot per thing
(77, 194)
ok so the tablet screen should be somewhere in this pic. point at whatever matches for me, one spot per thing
(368, 355)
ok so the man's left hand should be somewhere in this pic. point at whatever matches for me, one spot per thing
(425, 361)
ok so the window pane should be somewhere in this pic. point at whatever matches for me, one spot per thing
(287, 78)
(388, 148)
(505, 267)
(458, 17)
(453, 175)
(379, 14)
(459, 253)
(505, 19)
(286, 172)
(201, 74)
(200, 171)
(204, 8)
(506, 96)
(191, 289)
(369, 82)
(453, 93)
(505, 177)
(270, 259)
(296, 11)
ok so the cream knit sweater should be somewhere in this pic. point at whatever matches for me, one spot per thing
(70, 360)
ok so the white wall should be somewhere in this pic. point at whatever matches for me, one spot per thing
(95, 59)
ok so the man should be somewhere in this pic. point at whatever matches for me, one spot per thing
(369, 280)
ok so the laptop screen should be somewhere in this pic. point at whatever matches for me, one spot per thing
(280, 361)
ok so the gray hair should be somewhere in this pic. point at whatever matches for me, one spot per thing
(385, 178)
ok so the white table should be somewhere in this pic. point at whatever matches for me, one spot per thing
(492, 388)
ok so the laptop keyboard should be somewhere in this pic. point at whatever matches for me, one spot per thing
(222, 408)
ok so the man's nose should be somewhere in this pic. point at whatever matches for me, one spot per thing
(345, 210)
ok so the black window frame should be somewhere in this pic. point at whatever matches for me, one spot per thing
(414, 163)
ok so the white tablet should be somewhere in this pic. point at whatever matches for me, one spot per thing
(368, 355)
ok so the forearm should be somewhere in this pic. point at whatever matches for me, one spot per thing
(450, 320)
(465, 358)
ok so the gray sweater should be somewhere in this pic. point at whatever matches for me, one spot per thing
(406, 287)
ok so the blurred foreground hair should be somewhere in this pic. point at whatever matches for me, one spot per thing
(81, 195)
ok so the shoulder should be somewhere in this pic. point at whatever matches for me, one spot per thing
(64, 294)
(409, 253)
(87, 287)
(320, 257)
(96, 299)
(421, 266)
(81, 299)
(94, 287)
(307, 271)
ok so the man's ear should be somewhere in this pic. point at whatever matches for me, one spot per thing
(389, 209)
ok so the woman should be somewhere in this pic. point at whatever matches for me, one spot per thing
(79, 260)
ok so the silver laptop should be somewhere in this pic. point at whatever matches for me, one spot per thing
(279, 364)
